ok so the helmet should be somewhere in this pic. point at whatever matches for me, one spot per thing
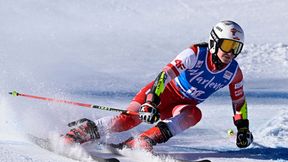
(228, 36)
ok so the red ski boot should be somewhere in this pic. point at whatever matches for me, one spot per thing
(83, 130)
(158, 134)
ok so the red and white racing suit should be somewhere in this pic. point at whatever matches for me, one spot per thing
(178, 106)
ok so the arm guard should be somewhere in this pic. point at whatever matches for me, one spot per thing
(241, 117)
(157, 89)
(242, 113)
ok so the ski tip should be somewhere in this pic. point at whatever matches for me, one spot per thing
(206, 160)
(100, 159)
(115, 160)
(112, 160)
(14, 93)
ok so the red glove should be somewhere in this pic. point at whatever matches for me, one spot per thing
(148, 113)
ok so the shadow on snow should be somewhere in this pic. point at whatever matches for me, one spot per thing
(260, 153)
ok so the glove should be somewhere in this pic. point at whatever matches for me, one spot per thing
(244, 136)
(148, 113)
(83, 130)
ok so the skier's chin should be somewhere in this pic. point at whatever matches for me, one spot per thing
(226, 60)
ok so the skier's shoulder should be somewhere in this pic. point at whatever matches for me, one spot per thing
(195, 47)
(189, 55)
(201, 44)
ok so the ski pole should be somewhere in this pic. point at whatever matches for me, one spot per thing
(14, 93)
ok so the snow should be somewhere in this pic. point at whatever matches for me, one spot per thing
(103, 52)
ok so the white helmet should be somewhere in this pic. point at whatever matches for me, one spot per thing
(223, 31)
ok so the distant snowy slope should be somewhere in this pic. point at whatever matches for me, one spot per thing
(265, 61)
(93, 43)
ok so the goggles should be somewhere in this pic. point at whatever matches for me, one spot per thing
(227, 45)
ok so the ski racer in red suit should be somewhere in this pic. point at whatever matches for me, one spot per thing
(189, 79)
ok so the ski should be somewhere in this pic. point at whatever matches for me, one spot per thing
(115, 150)
(46, 144)
(182, 160)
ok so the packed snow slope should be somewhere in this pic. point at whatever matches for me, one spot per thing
(103, 52)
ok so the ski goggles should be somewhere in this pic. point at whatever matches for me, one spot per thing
(227, 45)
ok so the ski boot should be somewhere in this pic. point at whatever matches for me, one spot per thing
(82, 131)
(158, 134)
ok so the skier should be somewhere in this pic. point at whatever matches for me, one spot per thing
(189, 79)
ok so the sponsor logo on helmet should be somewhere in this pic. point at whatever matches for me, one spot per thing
(234, 31)
(218, 28)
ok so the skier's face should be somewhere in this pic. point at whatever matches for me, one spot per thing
(225, 57)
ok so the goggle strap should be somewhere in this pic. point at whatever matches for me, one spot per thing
(214, 36)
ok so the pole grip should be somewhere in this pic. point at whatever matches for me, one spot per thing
(14, 93)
